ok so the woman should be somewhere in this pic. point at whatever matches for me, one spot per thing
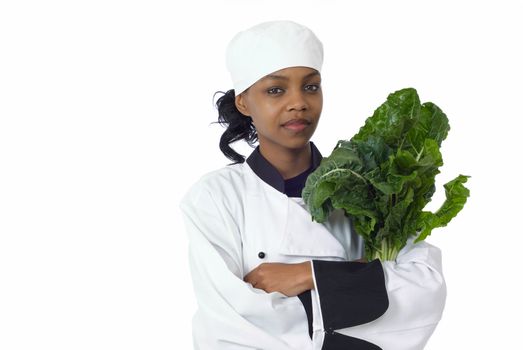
(264, 274)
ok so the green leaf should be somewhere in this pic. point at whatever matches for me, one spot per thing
(431, 124)
(456, 197)
(342, 165)
(390, 121)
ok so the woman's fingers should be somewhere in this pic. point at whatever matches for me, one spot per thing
(289, 279)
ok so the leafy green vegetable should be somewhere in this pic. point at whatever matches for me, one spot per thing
(384, 176)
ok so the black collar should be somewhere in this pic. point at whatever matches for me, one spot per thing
(269, 174)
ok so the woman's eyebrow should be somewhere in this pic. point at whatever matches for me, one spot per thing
(281, 77)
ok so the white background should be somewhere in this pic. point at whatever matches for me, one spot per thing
(105, 111)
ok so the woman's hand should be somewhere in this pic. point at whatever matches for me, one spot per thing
(288, 279)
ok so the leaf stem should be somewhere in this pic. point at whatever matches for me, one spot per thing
(420, 153)
(344, 170)
(387, 251)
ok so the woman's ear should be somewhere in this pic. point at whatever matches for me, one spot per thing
(239, 101)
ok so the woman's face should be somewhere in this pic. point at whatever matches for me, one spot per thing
(285, 107)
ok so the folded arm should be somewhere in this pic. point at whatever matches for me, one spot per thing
(231, 313)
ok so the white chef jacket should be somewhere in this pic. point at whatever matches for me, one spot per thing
(232, 214)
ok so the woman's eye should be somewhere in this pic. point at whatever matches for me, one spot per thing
(273, 91)
(313, 87)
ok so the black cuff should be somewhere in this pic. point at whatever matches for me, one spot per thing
(350, 293)
(306, 300)
(336, 341)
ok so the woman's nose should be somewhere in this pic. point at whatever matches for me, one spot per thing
(297, 101)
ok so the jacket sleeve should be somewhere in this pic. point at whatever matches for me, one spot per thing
(389, 305)
(231, 313)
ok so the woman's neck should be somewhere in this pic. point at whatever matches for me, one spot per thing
(288, 162)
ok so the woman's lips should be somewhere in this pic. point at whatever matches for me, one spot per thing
(296, 124)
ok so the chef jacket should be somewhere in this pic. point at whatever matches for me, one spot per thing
(246, 214)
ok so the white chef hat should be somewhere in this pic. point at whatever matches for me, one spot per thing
(268, 47)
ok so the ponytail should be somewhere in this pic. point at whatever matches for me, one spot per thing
(239, 126)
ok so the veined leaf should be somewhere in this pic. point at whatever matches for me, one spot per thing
(393, 118)
(456, 197)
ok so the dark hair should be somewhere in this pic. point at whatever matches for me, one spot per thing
(239, 126)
